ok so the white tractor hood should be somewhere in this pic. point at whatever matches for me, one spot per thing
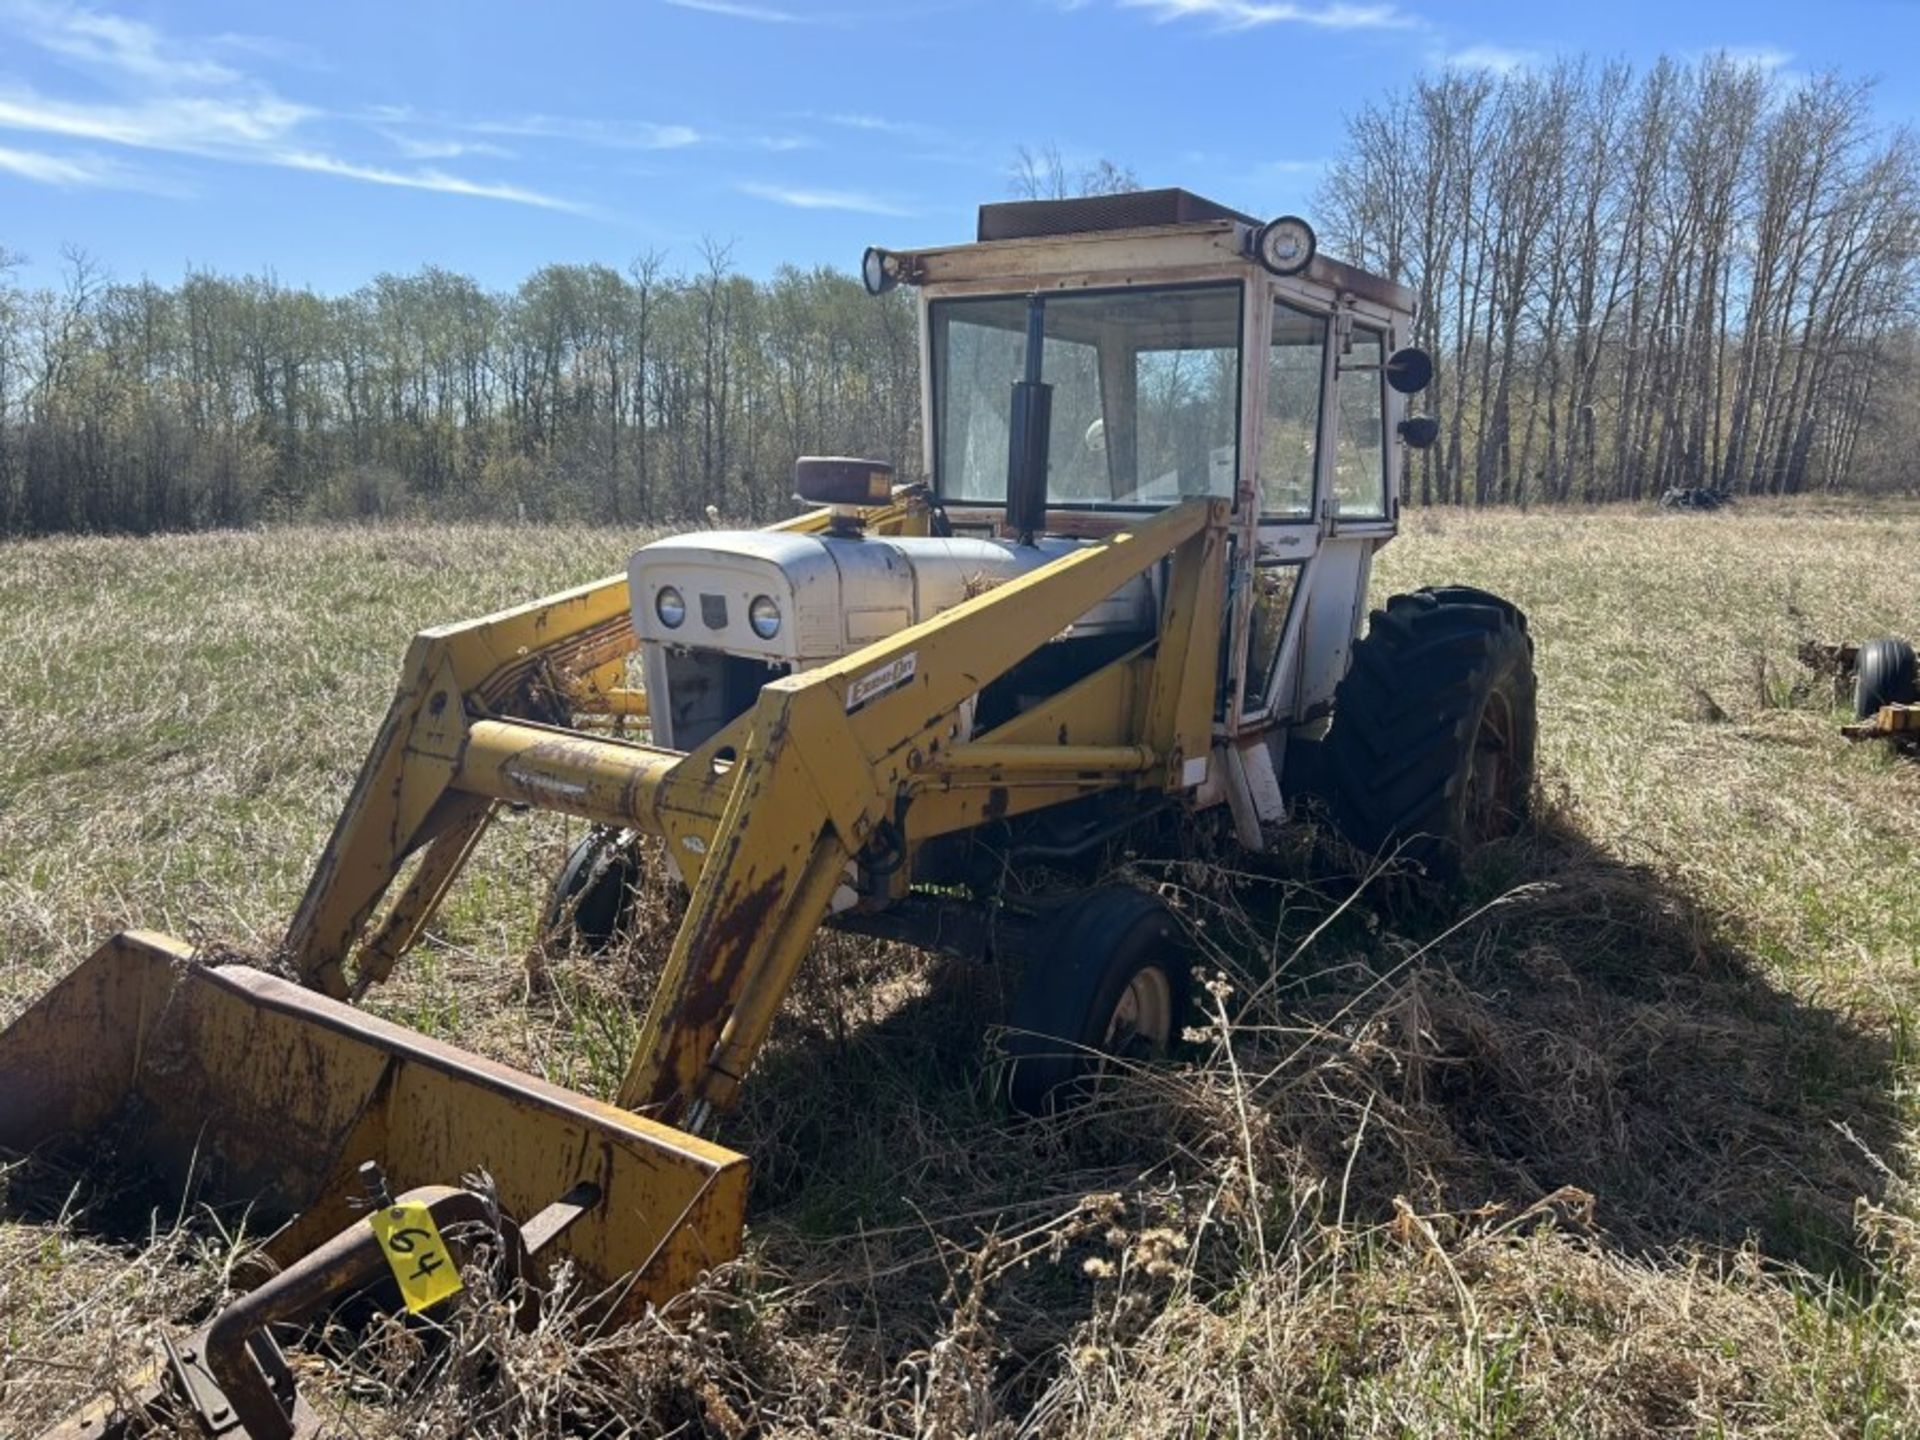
(837, 593)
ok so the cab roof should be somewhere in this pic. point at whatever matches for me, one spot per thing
(1131, 210)
(1128, 233)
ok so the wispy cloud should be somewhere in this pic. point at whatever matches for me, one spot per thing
(114, 42)
(803, 198)
(735, 10)
(424, 147)
(1496, 59)
(877, 123)
(865, 122)
(1250, 14)
(67, 172)
(188, 125)
(435, 180)
(610, 134)
(172, 96)
(1769, 58)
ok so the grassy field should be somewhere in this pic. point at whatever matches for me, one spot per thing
(1622, 1147)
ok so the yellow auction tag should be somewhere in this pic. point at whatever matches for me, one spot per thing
(418, 1256)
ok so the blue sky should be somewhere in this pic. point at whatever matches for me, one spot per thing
(331, 141)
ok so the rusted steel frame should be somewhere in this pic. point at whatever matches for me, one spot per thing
(764, 988)
(508, 664)
(620, 701)
(1180, 690)
(1890, 722)
(447, 853)
(232, 1374)
(348, 1261)
(757, 899)
(905, 514)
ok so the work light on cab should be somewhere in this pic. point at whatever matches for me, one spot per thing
(875, 273)
(1285, 246)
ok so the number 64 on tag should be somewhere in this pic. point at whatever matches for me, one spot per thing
(416, 1254)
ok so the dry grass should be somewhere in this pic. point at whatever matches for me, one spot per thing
(1620, 1152)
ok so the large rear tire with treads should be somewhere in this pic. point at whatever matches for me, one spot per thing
(1431, 749)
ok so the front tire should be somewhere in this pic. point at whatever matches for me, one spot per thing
(1109, 980)
(1432, 743)
(592, 899)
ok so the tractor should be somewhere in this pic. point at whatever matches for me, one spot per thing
(1125, 591)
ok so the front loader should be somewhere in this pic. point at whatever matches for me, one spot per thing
(1162, 441)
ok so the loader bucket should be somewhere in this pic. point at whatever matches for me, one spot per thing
(263, 1093)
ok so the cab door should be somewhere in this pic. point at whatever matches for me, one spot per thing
(1314, 556)
(1289, 424)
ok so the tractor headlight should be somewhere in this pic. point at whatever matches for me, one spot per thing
(671, 606)
(764, 616)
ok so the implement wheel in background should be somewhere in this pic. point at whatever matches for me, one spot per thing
(1883, 674)
(1108, 980)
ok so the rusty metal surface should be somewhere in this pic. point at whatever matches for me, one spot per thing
(274, 1095)
(520, 663)
(262, 1394)
(230, 1374)
(1898, 723)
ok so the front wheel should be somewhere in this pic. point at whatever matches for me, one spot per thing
(1108, 981)
(1431, 749)
(591, 902)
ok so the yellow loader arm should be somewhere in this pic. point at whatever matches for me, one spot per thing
(766, 817)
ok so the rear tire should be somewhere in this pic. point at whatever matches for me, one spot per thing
(1883, 674)
(1109, 977)
(1432, 742)
(592, 898)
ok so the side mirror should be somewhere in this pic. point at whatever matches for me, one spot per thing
(1419, 431)
(1410, 370)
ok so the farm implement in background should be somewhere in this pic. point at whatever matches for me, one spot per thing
(1882, 681)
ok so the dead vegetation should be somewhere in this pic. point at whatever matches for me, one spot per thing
(1618, 1148)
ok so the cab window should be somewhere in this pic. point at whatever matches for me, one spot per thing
(1360, 451)
(1145, 394)
(1290, 438)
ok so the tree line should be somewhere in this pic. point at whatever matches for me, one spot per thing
(586, 392)
(1694, 275)
(1697, 275)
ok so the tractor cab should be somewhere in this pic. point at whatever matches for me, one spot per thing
(1086, 363)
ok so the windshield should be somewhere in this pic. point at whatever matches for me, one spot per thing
(1145, 403)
